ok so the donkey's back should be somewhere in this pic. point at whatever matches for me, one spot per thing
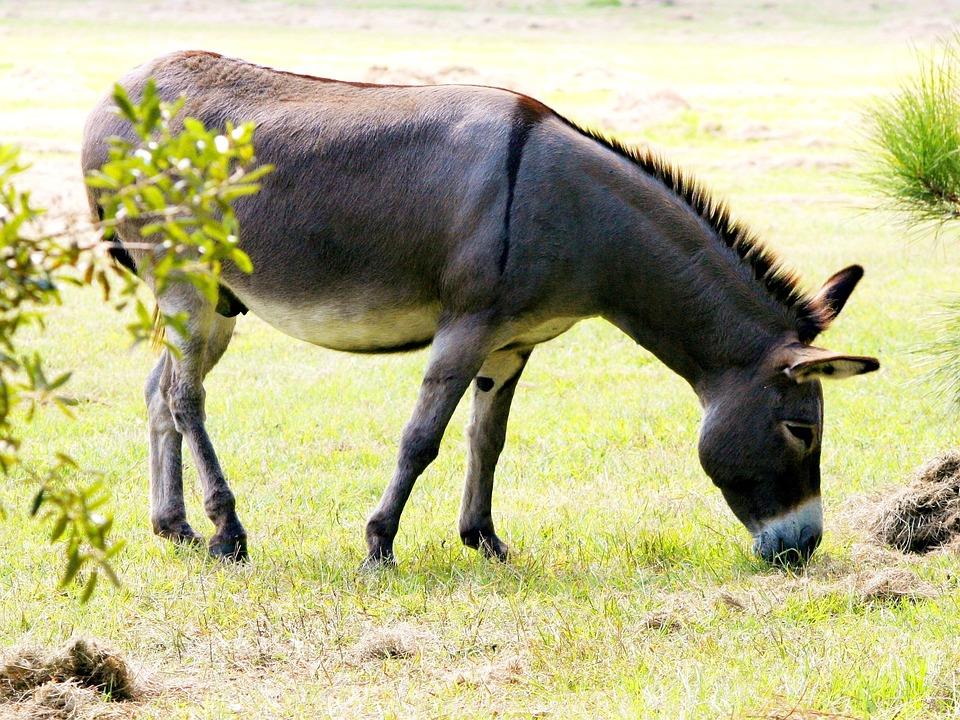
(387, 205)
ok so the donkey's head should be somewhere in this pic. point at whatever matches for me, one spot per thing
(760, 438)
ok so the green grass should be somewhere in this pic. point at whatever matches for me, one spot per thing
(599, 490)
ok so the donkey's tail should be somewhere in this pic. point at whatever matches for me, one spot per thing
(158, 340)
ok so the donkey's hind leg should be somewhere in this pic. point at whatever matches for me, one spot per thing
(493, 393)
(181, 389)
(168, 514)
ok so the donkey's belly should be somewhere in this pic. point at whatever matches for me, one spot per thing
(353, 329)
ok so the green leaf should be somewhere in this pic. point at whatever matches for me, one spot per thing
(59, 527)
(123, 103)
(154, 197)
(74, 561)
(37, 501)
(89, 587)
(242, 260)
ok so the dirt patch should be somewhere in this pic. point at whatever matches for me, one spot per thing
(730, 601)
(925, 514)
(783, 710)
(82, 680)
(665, 620)
(631, 112)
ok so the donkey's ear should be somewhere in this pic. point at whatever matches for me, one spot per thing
(835, 292)
(813, 363)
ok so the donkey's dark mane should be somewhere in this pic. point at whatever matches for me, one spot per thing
(768, 270)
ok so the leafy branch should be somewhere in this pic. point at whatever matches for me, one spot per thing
(173, 188)
(915, 141)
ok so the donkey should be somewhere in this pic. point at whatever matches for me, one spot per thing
(481, 222)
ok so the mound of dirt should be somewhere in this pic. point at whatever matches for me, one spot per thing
(80, 681)
(925, 514)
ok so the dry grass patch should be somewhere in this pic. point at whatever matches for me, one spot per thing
(798, 713)
(396, 641)
(893, 583)
(82, 680)
(504, 671)
(925, 514)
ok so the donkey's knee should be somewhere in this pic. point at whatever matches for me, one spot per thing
(418, 449)
(185, 401)
(159, 418)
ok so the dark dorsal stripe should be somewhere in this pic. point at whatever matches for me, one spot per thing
(809, 314)
(527, 114)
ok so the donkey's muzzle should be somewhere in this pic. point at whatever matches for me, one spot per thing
(786, 551)
(791, 538)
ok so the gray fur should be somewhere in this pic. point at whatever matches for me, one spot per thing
(479, 220)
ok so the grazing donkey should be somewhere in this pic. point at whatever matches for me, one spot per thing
(482, 222)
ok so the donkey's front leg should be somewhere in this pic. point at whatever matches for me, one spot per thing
(492, 396)
(458, 352)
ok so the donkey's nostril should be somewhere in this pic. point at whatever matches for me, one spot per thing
(809, 540)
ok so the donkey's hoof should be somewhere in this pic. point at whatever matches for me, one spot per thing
(181, 534)
(379, 554)
(495, 549)
(233, 549)
(488, 543)
(372, 564)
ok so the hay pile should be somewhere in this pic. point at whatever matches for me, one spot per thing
(83, 680)
(924, 515)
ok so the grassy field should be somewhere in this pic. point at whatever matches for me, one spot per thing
(633, 592)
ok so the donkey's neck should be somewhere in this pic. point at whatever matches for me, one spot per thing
(676, 288)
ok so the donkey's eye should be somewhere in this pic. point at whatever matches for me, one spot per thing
(803, 433)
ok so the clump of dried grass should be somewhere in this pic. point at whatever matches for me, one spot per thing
(504, 671)
(925, 514)
(665, 620)
(894, 583)
(396, 641)
(66, 700)
(75, 683)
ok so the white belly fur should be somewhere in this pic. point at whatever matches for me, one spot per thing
(354, 329)
(372, 329)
